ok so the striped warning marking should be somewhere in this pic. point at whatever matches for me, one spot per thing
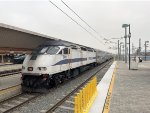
(108, 98)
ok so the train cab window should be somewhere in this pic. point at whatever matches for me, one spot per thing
(60, 52)
(49, 50)
(74, 48)
(90, 50)
(83, 49)
(66, 51)
(43, 50)
(40, 50)
(53, 50)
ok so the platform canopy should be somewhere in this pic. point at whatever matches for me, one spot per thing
(17, 39)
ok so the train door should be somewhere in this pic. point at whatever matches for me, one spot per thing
(66, 60)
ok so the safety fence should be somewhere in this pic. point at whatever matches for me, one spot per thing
(85, 97)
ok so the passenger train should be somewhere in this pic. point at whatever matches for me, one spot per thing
(55, 61)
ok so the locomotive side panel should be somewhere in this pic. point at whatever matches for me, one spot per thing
(91, 57)
(76, 58)
(84, 57)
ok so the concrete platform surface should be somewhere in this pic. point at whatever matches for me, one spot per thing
(2, 64)
(10, 67)
(131, 91)
(102, 88)
(8, 81)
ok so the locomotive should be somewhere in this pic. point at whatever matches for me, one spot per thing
(54, 61)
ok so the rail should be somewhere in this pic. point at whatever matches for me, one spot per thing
(14, 106)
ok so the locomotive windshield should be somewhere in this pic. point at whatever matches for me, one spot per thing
(49, 50)
(52, 50)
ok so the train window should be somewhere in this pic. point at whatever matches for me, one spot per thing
(66, 51)
(60, 52)
(74, 48)
(40, 50)
(43, 50)
(83, 49)
(90, 50)
(53, 50)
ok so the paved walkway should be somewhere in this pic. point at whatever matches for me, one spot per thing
(10, 67)
(131, 91)
(102, 88)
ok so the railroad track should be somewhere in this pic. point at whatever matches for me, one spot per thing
(60, 102)
(16, 102)
(8, 88)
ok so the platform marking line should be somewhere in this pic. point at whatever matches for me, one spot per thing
(109, 94)
(9, 89)
(12, 75)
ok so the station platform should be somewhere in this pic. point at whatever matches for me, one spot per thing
(9, 84)
(3, 64)
(10, 67)
(128, 92)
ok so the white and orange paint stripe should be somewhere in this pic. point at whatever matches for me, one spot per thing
(105, 87)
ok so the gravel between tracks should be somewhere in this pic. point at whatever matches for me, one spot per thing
(43, 103)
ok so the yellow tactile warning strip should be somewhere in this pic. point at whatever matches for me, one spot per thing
(3, 91)
(108, 98)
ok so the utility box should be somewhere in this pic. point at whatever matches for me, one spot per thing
(134, 63)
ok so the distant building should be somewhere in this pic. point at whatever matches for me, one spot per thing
(142, 54)
(147, 52)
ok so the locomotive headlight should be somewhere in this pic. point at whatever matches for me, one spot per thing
(42, 68)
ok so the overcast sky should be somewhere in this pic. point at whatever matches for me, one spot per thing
(105, 17)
